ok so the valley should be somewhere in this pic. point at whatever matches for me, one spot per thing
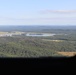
(38, 43)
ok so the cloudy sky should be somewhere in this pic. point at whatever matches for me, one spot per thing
(37, 12)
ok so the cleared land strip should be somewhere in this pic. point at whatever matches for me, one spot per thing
(67, 53)
(52, 40)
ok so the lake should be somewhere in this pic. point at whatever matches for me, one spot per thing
(39, 34)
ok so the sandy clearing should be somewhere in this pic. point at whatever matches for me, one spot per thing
(67, 53)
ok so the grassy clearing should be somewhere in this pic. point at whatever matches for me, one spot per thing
(52, 40)
(3, 32)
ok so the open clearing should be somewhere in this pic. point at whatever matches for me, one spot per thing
(52, 40)
(3, 32)
(67, 53)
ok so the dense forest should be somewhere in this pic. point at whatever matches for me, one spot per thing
(25, 46)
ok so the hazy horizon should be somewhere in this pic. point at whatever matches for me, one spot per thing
(41, 25)
(37, 25)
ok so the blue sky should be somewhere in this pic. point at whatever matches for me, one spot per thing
(37, 12)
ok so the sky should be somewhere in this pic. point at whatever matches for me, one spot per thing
(37, 12)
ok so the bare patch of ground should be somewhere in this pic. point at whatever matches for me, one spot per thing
(67, 53)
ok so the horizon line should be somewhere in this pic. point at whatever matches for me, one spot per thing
(38, 25)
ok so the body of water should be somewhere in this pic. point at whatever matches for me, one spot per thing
(39, 35)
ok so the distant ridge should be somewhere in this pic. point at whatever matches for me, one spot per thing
(32, 28)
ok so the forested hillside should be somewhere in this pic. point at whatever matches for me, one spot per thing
(23, 46)
(27, 46)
